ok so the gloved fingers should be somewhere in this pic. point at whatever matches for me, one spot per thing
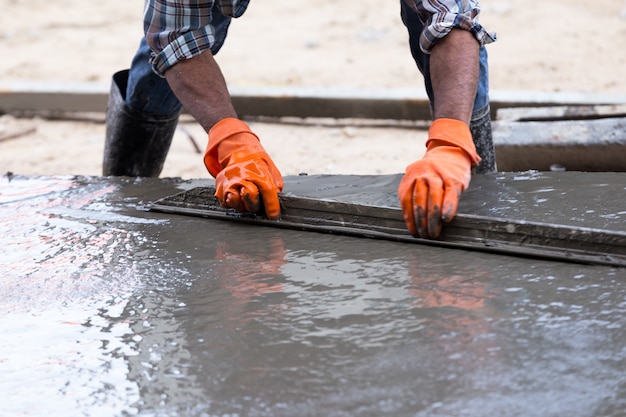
(420, 206)
(269, 195)
(220, 189)
(228, 195)
(260, 187)
(239, 195)
(421, 197)
(247, 195)
(269, 182)
(230, 192)
(429, 199)
(232, 199)
(253, 194)
(453, 191)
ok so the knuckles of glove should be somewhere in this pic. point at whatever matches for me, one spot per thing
(430, 190)
(249, 183)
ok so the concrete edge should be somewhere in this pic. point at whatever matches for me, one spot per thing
(334, 102)
(574, 145)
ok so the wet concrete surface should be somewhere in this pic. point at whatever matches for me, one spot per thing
(596, 200)
(108, 309)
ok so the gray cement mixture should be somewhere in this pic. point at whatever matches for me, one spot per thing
(108, 309)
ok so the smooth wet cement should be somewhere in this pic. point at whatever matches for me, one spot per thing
(327, 209)
(108, 309)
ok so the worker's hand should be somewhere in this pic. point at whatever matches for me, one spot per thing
(430, 189)
(246, 179)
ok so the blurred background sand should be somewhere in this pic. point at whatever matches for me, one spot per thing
(567, 46)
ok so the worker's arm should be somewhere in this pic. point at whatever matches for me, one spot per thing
(454, 75)
(199, 84)
(430, 189)
(245, 176)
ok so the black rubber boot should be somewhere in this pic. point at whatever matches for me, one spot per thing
(481, 133)
(136, 143)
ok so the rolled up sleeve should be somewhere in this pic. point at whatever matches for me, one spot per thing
(181, 30)
(441, 16)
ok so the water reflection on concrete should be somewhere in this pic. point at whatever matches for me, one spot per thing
(61, 302)
(110, 310)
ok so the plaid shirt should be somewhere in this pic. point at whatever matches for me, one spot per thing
(183, 29)
(440, 17)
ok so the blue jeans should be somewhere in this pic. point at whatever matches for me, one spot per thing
(150, 93)
(415, 27)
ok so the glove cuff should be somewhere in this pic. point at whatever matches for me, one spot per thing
(221, 131)
(452, 132)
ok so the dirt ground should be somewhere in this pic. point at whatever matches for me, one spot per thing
(562, 45)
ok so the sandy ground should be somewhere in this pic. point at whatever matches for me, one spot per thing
(562, 45)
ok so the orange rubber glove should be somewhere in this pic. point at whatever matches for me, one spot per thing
(246, 178)
(430, 189)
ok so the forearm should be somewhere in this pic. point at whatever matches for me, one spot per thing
(454, 75)
(201, 88)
